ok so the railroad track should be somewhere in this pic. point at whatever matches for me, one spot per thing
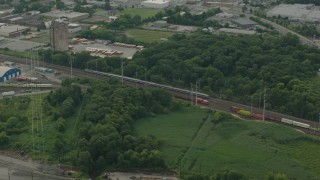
(214, 102)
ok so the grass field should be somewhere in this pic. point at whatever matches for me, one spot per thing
(148, 36)
(41, 38)
(144, 13)
(253, 148)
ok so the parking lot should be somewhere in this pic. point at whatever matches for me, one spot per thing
(127, 52)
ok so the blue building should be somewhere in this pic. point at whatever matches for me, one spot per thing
(7, 73)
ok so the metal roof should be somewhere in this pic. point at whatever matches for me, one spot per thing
(3, 70)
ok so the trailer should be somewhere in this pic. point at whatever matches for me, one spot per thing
(9, 93)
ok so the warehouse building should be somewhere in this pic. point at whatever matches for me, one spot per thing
(69, 15)
(13, 30)
(297, 12)
(155, 4)
(244, 23)
(7, 73)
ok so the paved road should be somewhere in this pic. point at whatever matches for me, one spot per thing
(284, 30)
(14, 169)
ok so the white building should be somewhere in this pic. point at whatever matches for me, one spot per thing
(155, 4)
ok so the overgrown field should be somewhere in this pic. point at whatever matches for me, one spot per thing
(148, 36)
(193, 143)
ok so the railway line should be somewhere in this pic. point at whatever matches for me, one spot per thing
(215, 103)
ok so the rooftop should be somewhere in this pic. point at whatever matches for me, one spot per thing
(296, 11)
(244, 21)
(156, 1)
(3, 70)
(68, 14)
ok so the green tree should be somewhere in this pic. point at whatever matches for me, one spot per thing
(60, 125)
(67, 107)
(4, 139)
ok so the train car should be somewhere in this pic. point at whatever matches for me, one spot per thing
(202, 101)
(286, 121)
(170, 88)
(295, 123)
(9, 93)
(299, 124)
(244, 113)
(258, 116)
(234, 109)
(38, 85)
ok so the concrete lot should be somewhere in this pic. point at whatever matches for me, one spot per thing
(18, 45)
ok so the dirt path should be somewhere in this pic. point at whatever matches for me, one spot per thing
(199, 133)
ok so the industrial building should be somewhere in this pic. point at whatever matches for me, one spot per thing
(100, 4)
(7, 73)
(236, 31)
(155, 4)
(297, 12)
(73, 28)
(244, 23)
(59, 35)
(13, 30)
(69, 15)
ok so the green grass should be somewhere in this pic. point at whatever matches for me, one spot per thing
(21, 54)
(148, 36)
(144, 13)
(253, 148)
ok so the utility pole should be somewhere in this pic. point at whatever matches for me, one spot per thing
(136, 78)
(264, 104)
(319, 122)
(71, 66)
(196, 93)
(122, 71)
(251, 106)
(191, 95)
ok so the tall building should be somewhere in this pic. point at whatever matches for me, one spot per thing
(59, 35)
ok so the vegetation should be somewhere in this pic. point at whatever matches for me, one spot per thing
(143, 13)
(21, 54)
(184, 17)
(233, 68)
(106, 34)
(237, 68)
(201, 144)
(37, 6)
(125, 21)
(89, 129)
(258, 20)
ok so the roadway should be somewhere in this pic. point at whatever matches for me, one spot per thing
(283, 30)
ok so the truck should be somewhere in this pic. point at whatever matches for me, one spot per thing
(9, 93)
